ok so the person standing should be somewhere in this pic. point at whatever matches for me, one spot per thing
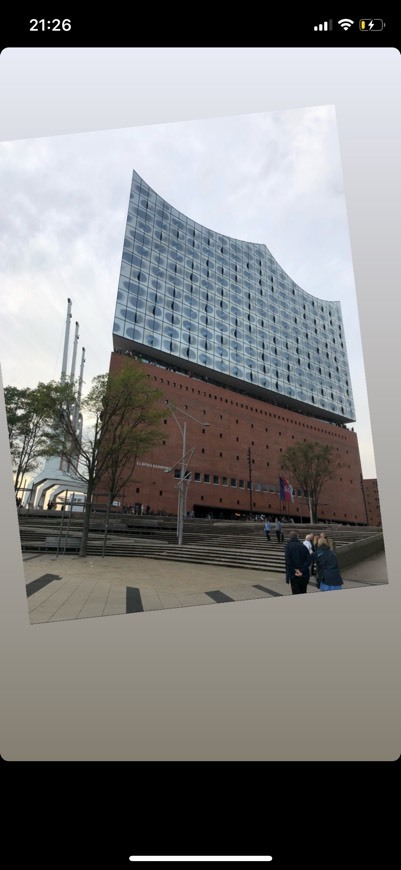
(308, 543)
(297, 561)
(267, 529)
(329, 541)
(278, 528)
(328, 571)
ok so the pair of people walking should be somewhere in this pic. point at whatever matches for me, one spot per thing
(267, 529)
(278, 528)
(299, 558)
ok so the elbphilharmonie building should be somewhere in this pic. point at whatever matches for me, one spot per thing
(255, 362)
(224, 309)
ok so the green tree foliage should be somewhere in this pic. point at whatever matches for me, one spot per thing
(126, 415)
(29, 414)
(311, 464)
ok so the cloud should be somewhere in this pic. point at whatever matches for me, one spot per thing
(273, 178)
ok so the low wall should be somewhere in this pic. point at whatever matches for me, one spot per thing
(63, 543)
(351, 554)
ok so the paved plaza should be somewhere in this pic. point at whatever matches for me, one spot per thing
(70, 587)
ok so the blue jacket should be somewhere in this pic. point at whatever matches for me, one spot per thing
(327, 566)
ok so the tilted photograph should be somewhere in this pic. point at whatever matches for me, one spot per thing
(182, 367)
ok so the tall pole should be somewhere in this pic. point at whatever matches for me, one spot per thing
(81, 376)
(66, 341)
(79, 396)
(184, 480)
(74, 353)
(181, 488)
(77, 416)
(364, 500)
(250, 482)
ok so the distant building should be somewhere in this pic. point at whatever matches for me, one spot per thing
(231, 340)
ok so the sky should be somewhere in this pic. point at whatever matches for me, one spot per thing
(273, 178)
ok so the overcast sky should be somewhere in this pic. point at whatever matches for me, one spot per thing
(272, 178)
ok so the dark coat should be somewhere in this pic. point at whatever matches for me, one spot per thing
(327, 566)
(296, 556)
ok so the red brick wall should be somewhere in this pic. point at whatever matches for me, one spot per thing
(372, 502)
(236, 423)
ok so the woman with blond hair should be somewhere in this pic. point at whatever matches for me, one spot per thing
(329, 541)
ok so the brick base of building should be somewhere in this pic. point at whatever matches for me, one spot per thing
(229, 429)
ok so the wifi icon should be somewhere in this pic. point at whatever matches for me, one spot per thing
(345, 23)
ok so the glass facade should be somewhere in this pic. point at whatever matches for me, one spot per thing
(212, 305)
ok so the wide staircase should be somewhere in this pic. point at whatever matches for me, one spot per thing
(214, 542)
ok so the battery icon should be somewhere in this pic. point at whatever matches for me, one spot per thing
(371, 24)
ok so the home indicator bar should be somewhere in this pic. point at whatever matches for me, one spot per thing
(200, 858)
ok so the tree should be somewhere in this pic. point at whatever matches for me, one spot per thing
(311, 464)
(29, 413)
(126, 423)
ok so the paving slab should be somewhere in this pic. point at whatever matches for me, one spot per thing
(96, 602)
(74, 604)
(71, 587)
(44, 611)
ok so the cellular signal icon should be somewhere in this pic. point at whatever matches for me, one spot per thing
(327, 25)
(345, 23)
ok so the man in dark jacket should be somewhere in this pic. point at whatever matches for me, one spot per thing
(297, 561)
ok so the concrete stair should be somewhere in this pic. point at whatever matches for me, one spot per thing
(235, 544)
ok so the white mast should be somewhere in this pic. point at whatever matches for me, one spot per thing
(66, 340)
(79, 396)
(74, 353)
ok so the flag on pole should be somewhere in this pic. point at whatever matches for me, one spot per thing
(286, 490)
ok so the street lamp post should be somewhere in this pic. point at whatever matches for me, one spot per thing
(250, 482)
(184, 474)
(182, 488)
